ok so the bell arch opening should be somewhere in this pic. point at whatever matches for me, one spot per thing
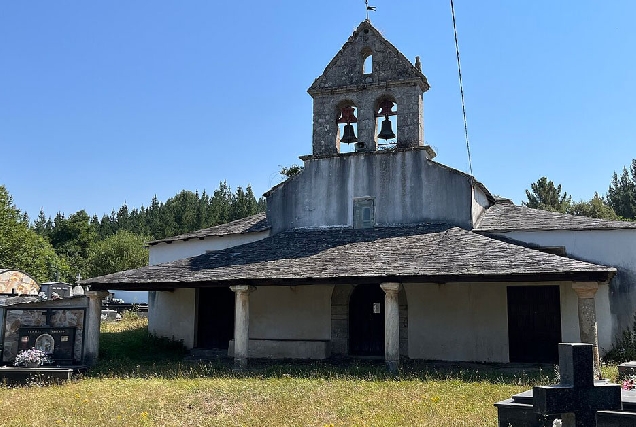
(367, 61)
(386, 122)
(347, 123)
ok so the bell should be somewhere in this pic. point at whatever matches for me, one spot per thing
(349, 135)
(386, 132)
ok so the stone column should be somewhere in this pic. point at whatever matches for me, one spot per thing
(588, 329)
(93, 321)
(241, 324)
(391, 325)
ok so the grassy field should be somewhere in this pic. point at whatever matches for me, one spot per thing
(141, 381)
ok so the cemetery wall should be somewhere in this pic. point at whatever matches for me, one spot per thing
(172, 314)
(179, 249)
(469, 321)
(615, 307)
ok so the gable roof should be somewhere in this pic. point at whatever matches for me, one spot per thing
(250, 224)
(424, 253)
(504, 216)
(401, 65)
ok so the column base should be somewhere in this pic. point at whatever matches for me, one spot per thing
(392, 366)
(240, 364)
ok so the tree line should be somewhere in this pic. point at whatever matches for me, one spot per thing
(62, 247)
(619, 202)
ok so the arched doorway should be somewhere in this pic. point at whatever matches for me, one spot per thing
(215, 318)
(366, 321)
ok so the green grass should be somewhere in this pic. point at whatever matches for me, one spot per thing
(141, 381)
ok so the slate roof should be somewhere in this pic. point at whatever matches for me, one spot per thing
(251, 224)
(424, 253)
(504, 216)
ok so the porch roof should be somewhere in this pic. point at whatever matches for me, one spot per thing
(423, 253)
(504, 216)
(251, 224)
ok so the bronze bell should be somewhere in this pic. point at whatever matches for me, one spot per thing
(349, 135)
(386, 132)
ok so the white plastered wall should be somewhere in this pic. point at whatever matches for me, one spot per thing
(291, 312)
(166, 252)
(172, 314)
(469, 321)
(615, 305)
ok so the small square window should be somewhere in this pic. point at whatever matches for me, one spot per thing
(363, 212)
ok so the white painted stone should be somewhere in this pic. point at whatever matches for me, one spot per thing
(166, 252)
(173, 315)
(469, 321)
(391, 324)
(615, 308)
(241, 325)
(94, 318)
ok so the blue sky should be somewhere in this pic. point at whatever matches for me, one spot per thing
(105, 103)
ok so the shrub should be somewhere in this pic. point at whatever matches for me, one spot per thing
(624, 349)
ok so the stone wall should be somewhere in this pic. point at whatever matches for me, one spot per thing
(24, 315)
(345, 81)
(16, 319)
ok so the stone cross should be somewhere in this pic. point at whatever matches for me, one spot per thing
(576, 398)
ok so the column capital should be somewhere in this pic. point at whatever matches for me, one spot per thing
(96, 294)
(585, 289)
(242, 289)
(390, 287)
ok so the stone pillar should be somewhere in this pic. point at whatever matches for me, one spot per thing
(391, 325)
(93, 321)
(241, 324)
(588, 329)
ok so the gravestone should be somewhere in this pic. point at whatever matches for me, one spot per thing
(627, 369)
(575, 400)
(58, 342)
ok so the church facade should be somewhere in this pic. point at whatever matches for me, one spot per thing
(383, 252)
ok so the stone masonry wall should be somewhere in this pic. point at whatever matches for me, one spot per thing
(344, 81)
(61, 318)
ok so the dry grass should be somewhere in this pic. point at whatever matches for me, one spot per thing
(144, 390)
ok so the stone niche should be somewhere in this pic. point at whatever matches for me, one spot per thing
(62, 320)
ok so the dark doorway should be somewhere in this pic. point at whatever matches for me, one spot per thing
(216, 318)
(366, 321)
(534, 323)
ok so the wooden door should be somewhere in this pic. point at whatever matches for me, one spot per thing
(534, 323)
(215, 318)
(366, 321)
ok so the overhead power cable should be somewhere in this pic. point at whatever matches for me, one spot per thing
(461, 88)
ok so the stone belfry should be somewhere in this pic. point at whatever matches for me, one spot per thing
(366, 82)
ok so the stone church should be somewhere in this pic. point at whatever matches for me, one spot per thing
(383, 252)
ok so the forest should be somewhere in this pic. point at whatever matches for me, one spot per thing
(62, 248)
